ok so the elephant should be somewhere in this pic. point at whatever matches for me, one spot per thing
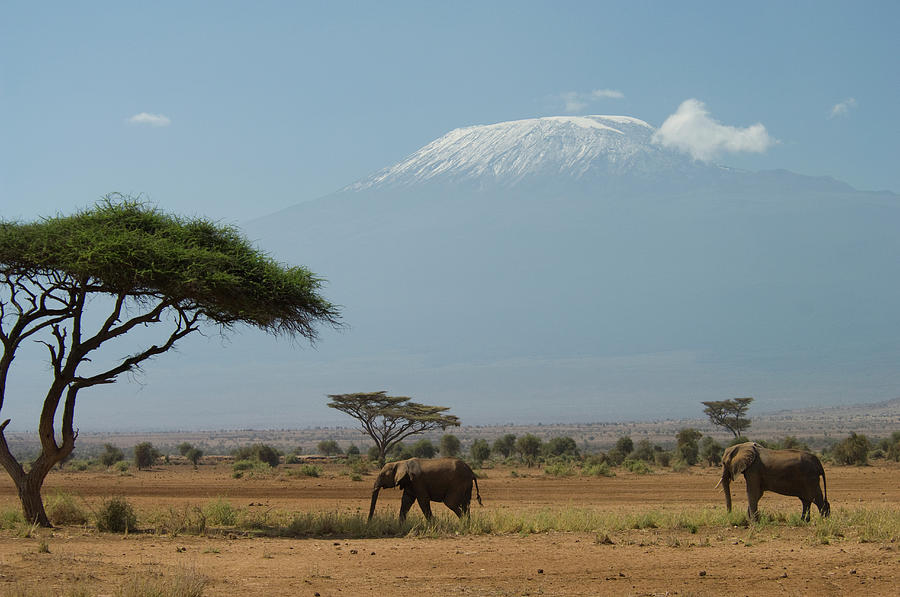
(425, 480)
(788, 472)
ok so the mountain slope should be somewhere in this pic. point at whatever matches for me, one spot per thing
(573, 260)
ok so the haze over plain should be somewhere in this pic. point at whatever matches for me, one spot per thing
(580, 299)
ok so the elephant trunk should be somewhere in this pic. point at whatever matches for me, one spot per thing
(374, 499)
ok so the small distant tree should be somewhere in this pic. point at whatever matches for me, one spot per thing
(450, 445)
(852, 450)
(625, 445)
(561, 446)
(686, 448)
(111, 455)
(353, 451)
(730, 414)
(480, 451)
(75, 283)
(329, 447)
(710, 451)
(505, 446)
(145, 455)
(423, 449)
(194, 455)
(643, 450)
(390, 419)
(184, 448)
(259, 452)
(529, 448)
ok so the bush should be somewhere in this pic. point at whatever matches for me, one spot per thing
(311, 470)
(662, 457)
(643, 451)
(853, 450)
(529, 447)
(560, 469)
(194, 455)
(505, 446)
(145, 455)
(423, 449)
(116, 516)
(259, 452)
(480, 451)
(625, 445)
(711, 451)
(561, 446)
(616, 456)
(63, 510)
(111, 455)
(449, 445)
(352, 450)
(686, 449)
(597, 469)
(329, 447)
(638, 467)
(220, 513)
(184, 448)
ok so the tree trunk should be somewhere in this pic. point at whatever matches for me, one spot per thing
(30, 496)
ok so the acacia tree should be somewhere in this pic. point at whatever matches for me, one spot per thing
(730, 414)
(73, 283)
(390, 419)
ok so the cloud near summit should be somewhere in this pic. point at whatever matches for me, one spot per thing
(692, 130)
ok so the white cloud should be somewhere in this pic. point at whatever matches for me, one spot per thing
(607, 93)
(841, 109)
(692, 130)
(151, 119)
(575, 101)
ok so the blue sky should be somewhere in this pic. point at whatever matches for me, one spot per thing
(236, 110)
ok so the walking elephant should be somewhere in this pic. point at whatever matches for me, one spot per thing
(447, 480)
(788, 472)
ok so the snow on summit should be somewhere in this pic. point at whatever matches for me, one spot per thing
(508, 152)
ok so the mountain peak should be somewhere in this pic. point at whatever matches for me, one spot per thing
(507, 153)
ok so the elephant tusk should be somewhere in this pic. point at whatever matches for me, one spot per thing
(717, 484)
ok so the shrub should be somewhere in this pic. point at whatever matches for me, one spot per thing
(194, 455)
(220, 513)
(559, 469)
(686, 449)
(638, 467)
(122, 466)
(259, 452)
(711, 451)
(145, 455)
(505, 446)
(643, 451)
(184, 448)
(616, 456)
(480, 451)
(662, 457)
(853, 450)
(63, 510)
(449, 445)
(561, 446)
(529, 447)
(625, 445)
(111, 455)
(353, 450)
(423, 449)
(311, 470)
(116, 516)
(597, 469)
(329, 447)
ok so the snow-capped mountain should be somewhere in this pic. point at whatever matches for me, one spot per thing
(573, 262)
(507, 153)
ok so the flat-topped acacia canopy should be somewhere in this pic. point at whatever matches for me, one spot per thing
(157, 268)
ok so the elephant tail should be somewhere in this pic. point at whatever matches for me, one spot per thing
(826, 508)
(477, 493)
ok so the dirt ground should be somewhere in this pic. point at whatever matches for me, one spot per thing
(783, 560)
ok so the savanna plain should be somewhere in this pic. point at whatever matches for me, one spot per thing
(202, 531)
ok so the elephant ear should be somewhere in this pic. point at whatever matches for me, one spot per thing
(744, 456)
(408, 469)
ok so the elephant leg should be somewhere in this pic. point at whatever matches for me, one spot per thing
(819, 501)
(425, 505)
(406, 503)
(458, 509)
(805, 514)
(753, 495)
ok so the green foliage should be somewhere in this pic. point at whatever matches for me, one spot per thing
(184, 448)
(220, 513)
(449, 445)
(625, 445)
(399, 452)
(792, 443)
(111, 455)
(505, 446)
(559, 469)
(329, 447)
(662, 458)
(145, 455)
(480, 451)
(730, 414)
(252, 466)
(311, 470)
(638, 467)
(711, 451)
(259, 452)
(852, 450)
(423, 449)
(616, 457)
(116, 515)
(62, 509)
(352, 450)
(686, 448)
(643, 450)
(194, 455)
(595, 468)
(561, 446)
(529, 447)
